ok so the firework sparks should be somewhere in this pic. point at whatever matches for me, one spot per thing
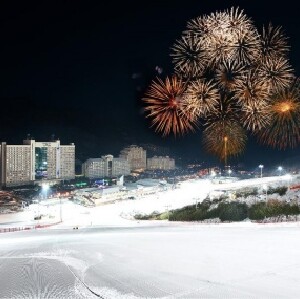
(163, 106)
(224, 138)
(256, 115)
(219, 49)
(274, 42)
(284, 128)
(237, 81)
(223, 135)
(188, 56)
(229, 73)
(246, 46)
(199, 27)
(250, 89)
(200, 98)
(277, 72)
(238, 20)
(226, 110)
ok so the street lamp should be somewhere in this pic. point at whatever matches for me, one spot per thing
(280, 170)
(60, 210)
(265, 187)
(261, 168)
(229, 172)
(38, 213)
(288, 178)
(196, 201)
(168, 211)
(213, 174)
(45, 188)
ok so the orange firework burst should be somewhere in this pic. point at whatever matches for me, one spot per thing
(252, 94)
(224, 138)
(284, 128)
(163, 105)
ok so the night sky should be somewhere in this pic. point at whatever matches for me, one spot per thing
(78, 70)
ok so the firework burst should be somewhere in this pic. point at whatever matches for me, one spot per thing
(236, 81)
(284, 128)
(256, 115)
(199, 27)
(189, 56)
(237, 20)
(274, 42)
(219, 49)
(226, 109)
(200, 98)
(229, 73)
(277, 72)
(224, 138)
(223, 135)
(250, 89)
(246, 46)
(163, 106)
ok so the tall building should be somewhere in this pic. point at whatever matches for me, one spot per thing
(15, 165)
(155, 150)
(135, 155)
(67, 161)
(94, 168)
(106, 166)
(35, 162)
(160, 162)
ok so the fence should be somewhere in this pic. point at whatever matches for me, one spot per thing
(17, 229)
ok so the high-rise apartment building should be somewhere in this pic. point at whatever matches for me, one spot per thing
(136, 157)
(94, 168)
(106, 166)
(15, 165)
(161, 162)
(34, 161)
(67, 161)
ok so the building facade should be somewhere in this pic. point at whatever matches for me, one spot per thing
(160, 162)
(106, 166)
(136, 157)
(36, 161)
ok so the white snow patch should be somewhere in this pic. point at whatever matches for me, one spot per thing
(111, 293)
(65, 257)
